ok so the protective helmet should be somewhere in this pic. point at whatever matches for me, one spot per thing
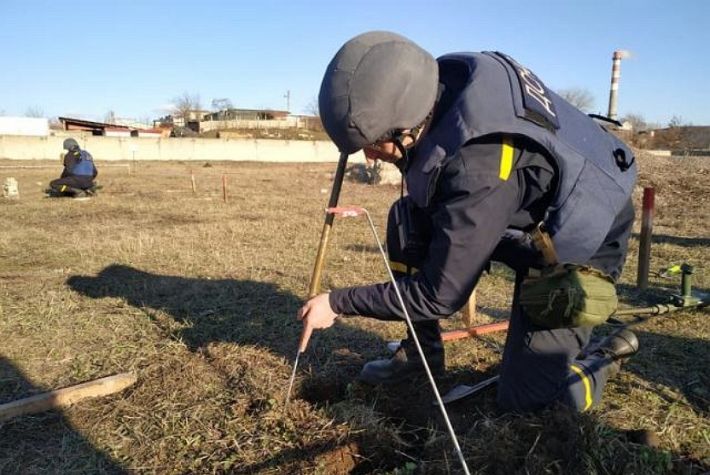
(376, 83)
(70, 144)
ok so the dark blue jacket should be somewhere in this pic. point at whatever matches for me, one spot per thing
(596, 171)
(79, 163)
(84, 166)
(562, 169)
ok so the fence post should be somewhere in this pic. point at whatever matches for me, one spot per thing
(645, 239)
(224, 187)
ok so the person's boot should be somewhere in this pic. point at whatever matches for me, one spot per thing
(619, 347)
(406, 363)
(401, 367)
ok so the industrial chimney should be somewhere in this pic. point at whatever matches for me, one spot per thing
(615, 75)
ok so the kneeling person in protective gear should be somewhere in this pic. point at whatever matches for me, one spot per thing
(77, 179)
(485, 164)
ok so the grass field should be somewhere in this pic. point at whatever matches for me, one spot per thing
(198, 296)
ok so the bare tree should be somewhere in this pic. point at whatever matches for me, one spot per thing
(636, 120)
(34, 111)
(55, 124)
(312, 107)
(582, 99)
(221, 104)
(184, 104)
(676, 121)
(110, 117)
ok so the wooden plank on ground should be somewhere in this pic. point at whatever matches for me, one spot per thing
(66, 396)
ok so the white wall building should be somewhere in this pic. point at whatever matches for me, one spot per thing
(32, 126)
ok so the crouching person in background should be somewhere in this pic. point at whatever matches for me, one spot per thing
(78, 176)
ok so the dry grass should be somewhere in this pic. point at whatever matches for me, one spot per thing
(198, 297)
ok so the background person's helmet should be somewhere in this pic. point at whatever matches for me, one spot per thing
(377, 82)
(71, 144)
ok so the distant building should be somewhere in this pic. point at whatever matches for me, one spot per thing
(310, 122)
(235, 119)
(106, 129)
(247, 114)
(29, 126)
(194, 117)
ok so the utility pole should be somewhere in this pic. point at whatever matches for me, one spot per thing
(287, 96)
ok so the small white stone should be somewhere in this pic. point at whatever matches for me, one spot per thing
(10, 189)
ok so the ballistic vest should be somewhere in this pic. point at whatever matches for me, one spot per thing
(596, 171)
(85, 165)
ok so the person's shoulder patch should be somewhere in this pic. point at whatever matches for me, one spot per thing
(537, 102)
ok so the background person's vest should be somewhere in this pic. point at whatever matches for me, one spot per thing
(85, 165)
(596, 170)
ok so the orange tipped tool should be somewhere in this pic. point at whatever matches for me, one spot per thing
(346, 211)
(305, 337)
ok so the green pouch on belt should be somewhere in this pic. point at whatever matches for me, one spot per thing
(569, 295)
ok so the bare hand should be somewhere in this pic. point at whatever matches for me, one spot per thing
(316, 313)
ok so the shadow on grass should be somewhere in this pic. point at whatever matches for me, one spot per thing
(239, 311)
(261, 314)
(674, 362)
(44, 442)
(246, 313)
(677, 240)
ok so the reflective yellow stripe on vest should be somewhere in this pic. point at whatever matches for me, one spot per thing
(506, 158)
(399, 267)
(587, 386)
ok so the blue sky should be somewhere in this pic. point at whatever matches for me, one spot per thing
(84, 58)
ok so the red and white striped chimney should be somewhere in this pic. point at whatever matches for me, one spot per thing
(615, 75)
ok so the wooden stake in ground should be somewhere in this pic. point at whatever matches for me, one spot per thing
(192, 179)
(224, 187)
(67, 396)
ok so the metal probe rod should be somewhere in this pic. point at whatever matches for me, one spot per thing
(352, 211)
(302, 344)
(292, 379)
